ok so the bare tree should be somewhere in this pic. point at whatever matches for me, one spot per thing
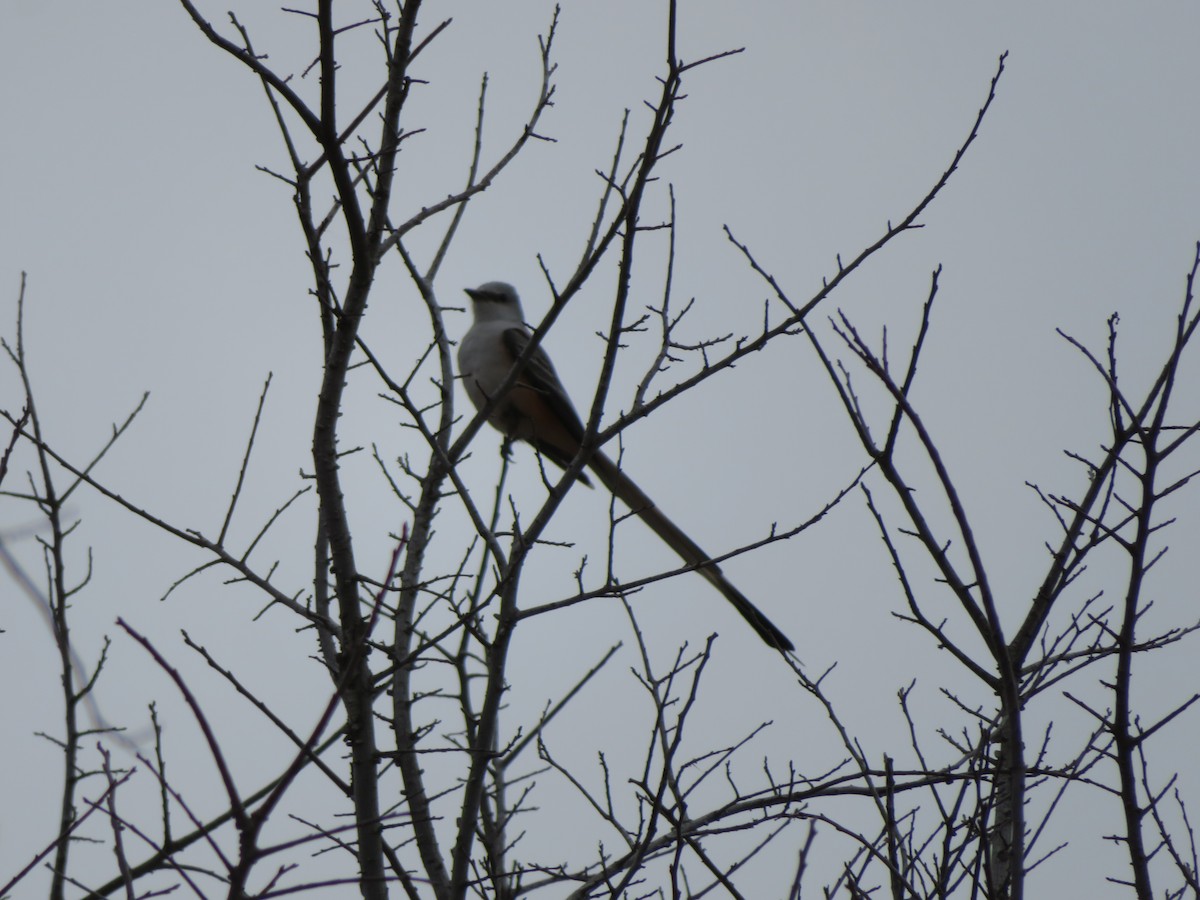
(428, 795)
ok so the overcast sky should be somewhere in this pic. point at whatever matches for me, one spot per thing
(160, 260)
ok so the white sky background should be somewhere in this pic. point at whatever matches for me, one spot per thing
(160, 260)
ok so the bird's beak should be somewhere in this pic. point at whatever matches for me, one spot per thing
(472, 293)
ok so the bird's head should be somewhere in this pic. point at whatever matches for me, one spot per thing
(495, 300)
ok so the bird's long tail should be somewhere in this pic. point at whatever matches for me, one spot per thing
(637, 501)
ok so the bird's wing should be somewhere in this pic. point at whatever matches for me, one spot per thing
(551, 423)
(539, 374)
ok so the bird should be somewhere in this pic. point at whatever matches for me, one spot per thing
(538, 410)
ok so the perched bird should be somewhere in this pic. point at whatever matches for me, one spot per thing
(538, 410)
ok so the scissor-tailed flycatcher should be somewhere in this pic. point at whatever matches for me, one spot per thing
(538, 410)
